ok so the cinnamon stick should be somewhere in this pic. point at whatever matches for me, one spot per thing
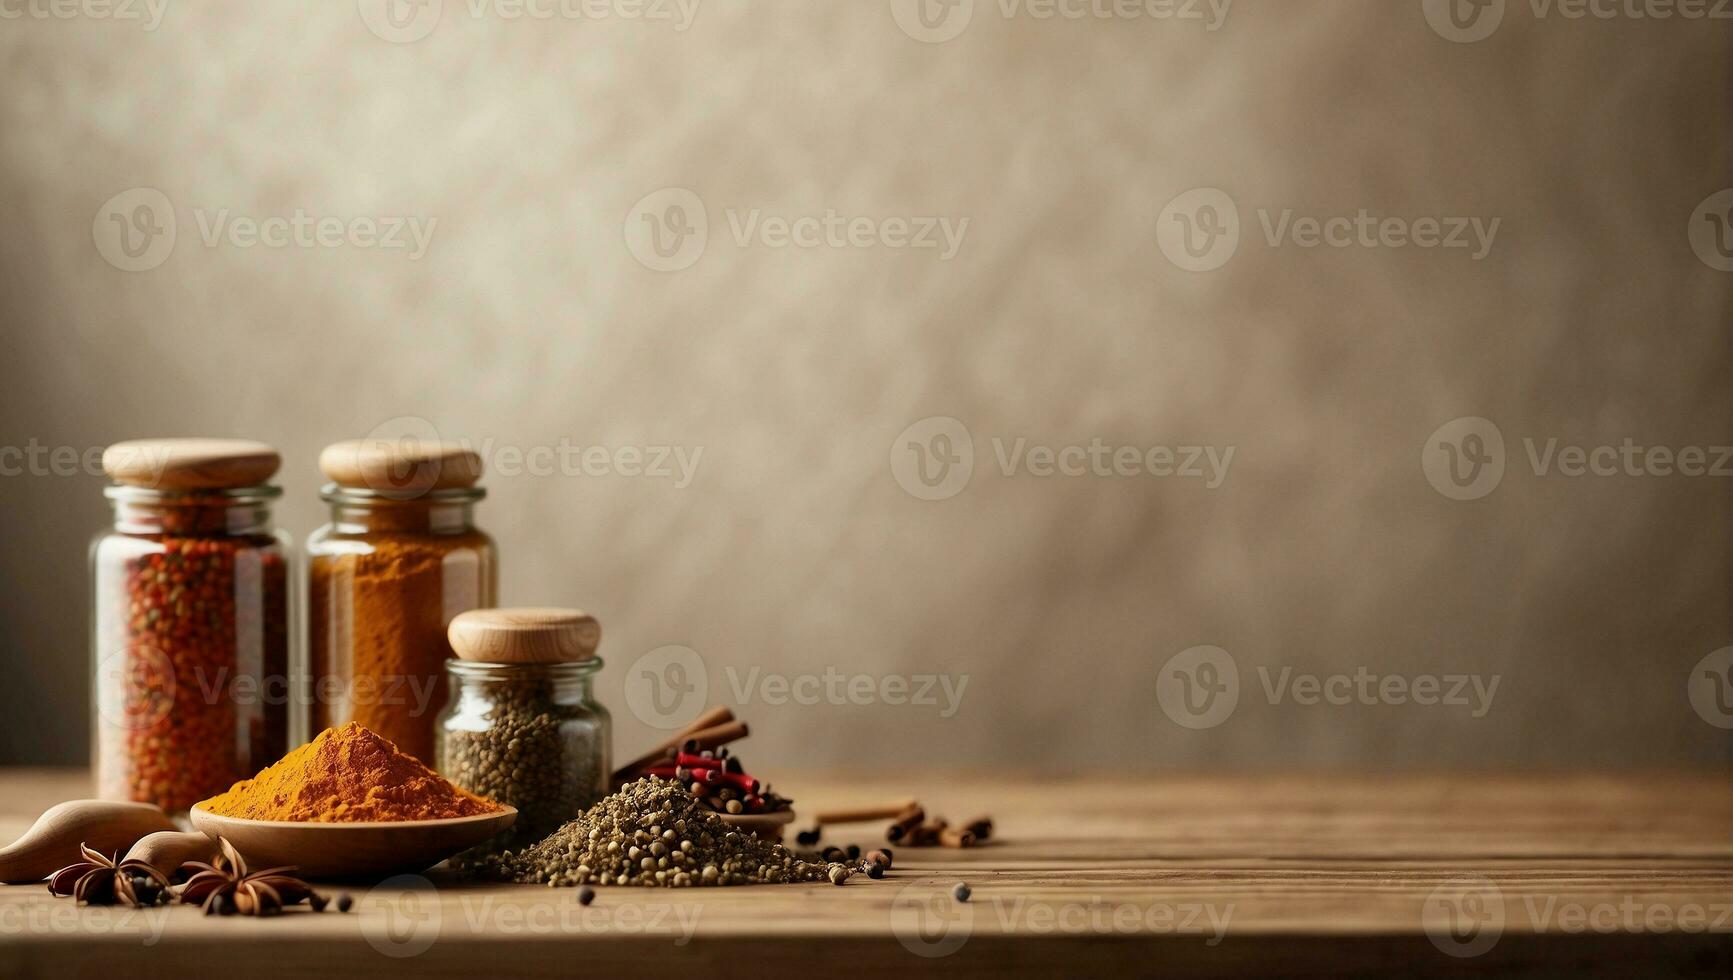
(719, 715)
(905, 823)
(956, 837)
(864, 814)
(715, 737)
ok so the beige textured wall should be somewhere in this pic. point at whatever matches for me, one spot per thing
(1059, 320)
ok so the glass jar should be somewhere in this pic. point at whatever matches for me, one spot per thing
(386, 576)
(190, 634)
(527, 735)
(523, 727)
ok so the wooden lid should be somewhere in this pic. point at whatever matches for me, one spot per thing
(524, 636)
(190, 464)
(393, 466)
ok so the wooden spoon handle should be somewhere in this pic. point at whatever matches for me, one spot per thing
(52, 842)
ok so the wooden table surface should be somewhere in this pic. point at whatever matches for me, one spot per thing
(1620, 875)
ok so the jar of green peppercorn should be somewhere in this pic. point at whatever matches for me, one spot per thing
(522, 726)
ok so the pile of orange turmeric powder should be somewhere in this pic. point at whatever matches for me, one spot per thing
(348, 775)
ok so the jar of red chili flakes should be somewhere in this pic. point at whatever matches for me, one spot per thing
(191, 621)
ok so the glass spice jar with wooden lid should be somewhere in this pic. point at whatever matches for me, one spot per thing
(523, 726)
(400, 559)
(190, 621)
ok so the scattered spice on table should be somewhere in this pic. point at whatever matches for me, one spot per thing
(909, 825)
(227, 887)
(100, 880)
(877, 862)
(654, 833)
(348, 775)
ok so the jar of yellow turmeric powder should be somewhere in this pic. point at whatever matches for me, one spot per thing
(400, 559)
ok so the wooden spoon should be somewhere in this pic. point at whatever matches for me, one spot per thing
(351, 850)
(167, 850)
(52, 841)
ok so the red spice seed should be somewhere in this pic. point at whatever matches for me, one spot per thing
(198, 611)
(740, 781)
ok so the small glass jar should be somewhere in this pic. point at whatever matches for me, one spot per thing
(386, 577)
(190, 623)
(527, 734)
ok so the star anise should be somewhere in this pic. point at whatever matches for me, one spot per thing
(227, 886)
(99, 880)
